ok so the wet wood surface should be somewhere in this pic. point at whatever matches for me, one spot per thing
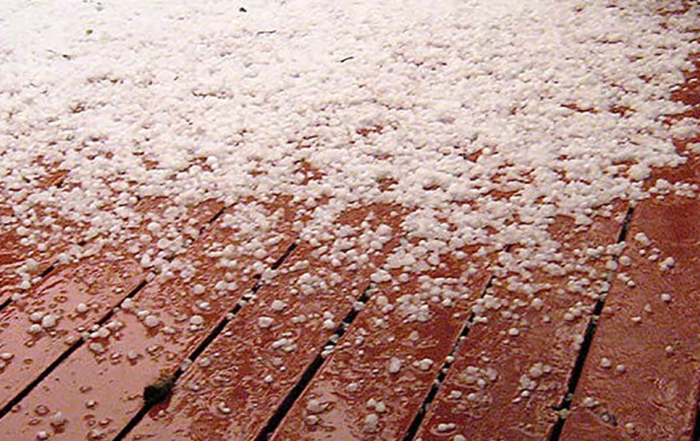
(289, 343)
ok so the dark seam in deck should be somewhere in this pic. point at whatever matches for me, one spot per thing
(310, 372)
(215, 332)
(435, 388)
(27, 390)
(5, 303)
(696, 425)
(43, 274)
(48, 270)
(564, 407)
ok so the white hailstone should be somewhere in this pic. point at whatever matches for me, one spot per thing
(58, 419)
(380, 407)
(198, 289)
(81, 308)
(589, 402)
(102, 332)
(278, 305)
(268, 379)
(132, 355)
(97, 348)
(42, 435)
(611, 265)
(265, 322)
(445, 427)
(196, 320)
(642, 239)
(314, 406)
(6, 356)
(34, 329)
(537, 303)
(513, 332)
(639, 172)
(667, 263)
(459, 438)
(127, 305)
(455, 394)
(49, 321)
(223, 408)
(36, 317)
(169, 330)
(204, 306)
(625, 261)
(605, 363)
(666, 298)
(370, 423)
(536, 371)
(146, 261)
(424, 364)
(329, 324)
(394, 365)
(151, 321)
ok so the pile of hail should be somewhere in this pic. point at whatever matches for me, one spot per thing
(483, 120)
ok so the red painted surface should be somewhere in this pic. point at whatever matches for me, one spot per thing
(337, 403)
(485, 396)
(249, 369)
(241, 380)
(656, 339)
(16, 254)
(100, 281)
(105, 365)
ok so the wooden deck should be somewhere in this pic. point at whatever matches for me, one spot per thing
(258, 358)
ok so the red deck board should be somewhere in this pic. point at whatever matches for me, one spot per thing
(481, 397)
(100, 281)
(334, 405)
(243, 355)
(655, 397)
(13, 252)
(112, 379)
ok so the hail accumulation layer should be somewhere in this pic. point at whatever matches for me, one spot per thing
(484, 119)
